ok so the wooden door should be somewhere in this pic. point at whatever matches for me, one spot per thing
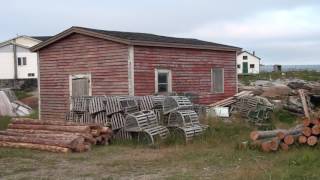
(80, 86)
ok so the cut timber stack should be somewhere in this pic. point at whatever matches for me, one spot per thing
(231, 100)
(306, 133)
(53, 136)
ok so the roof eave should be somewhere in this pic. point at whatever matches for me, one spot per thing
(75, 30)
(187, 46)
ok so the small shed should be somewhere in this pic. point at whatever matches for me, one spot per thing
(84, 61)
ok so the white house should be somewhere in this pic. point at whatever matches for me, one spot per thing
(16, 60)
(248, 63)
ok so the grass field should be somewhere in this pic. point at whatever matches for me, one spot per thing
(304, 75)
(212, 156)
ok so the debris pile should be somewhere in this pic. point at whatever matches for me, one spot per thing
(53, 136)
(307, 133)
(257, 109)
(10, 106)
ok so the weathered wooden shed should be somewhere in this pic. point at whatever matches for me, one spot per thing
(83, 61)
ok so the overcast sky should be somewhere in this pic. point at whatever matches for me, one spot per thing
(280, 31)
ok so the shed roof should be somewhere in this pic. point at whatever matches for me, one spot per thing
(143, 39)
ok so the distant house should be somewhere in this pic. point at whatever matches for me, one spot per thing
(17, 61)
(82, 61)
(248, 63)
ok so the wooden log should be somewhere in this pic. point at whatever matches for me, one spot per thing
(307, 131)
(265, 146)
(289, 139)
(304, 103)
(57, 123)
(256, 135)
(87, 136)
(34, 147)
(302, 139)
(312, 140)
(274, 144)
(95, 132)
(105, 130)
(77, 129)
(297, 130)
(315, 130)
(306, 123)
(284, 146)
(46, 136)
(69, 143)
(315, 122)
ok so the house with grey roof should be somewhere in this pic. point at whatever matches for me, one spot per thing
(17, 61)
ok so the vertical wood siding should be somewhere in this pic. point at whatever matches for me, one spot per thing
(77, 54)
(191, 71)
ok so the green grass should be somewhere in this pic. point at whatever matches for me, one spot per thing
(22, 94)
(284, 116)
(4, 121)
(304, 75)
(34, 114)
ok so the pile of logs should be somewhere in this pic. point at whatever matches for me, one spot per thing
(53, 136)
(306, 133)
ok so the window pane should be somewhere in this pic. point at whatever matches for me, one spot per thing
(218, 81)
(251, 65)
(19, 61)
(162, 87)
(24, 60)
(162, 78)
(245, 57)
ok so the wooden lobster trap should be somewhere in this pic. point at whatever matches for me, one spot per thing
(146, 125)
(173, 103)
(187, 121)
(80, 104)
(128, 104)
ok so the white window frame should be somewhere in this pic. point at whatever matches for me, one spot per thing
(212, 81)
(169, 79)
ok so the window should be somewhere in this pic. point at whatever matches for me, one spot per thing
(22, 61)
(19, 62)
(163, 81)
(251, 65)
(30, 74)
(239, 66)
(245, 57)
(217, 80)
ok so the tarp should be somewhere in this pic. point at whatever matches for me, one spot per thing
(6, 108)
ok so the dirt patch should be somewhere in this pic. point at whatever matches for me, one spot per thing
(31, 101)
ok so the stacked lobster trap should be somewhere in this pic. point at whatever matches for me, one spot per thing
(142, 117)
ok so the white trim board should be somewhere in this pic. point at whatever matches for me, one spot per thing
(131, 70)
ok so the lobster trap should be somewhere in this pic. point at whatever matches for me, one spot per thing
(146, 122)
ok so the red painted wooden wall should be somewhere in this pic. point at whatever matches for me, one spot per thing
(190, 68)
(76, 54)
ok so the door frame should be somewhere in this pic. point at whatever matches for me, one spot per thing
(75, 76)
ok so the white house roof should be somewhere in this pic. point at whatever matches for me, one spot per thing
(250, 54)
(12, 41)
